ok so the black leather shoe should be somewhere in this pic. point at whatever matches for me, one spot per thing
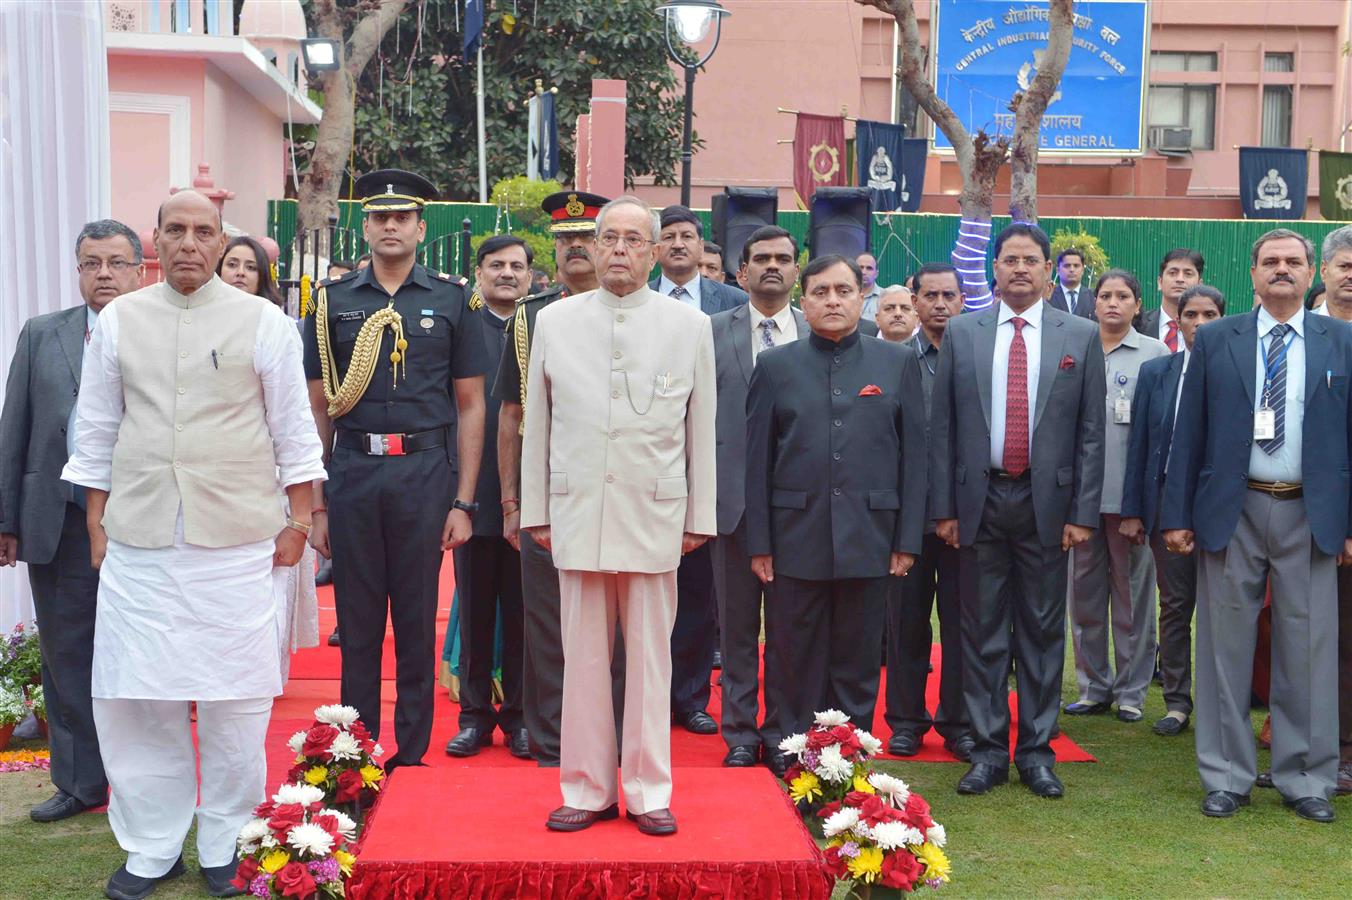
(518, 743)
(126, 886)
(333, 639)
(718, 659)
(219, 878)
(777, 763)
(1223, 804)
(56, 807)
(697, 721)
(1083, 708)
(1264, 779)
(1041, 780)
(904, 743)
(981, 777)
(961, 748)
(1316, 809)
(741, 756)
(469, 742)
(325, 573)
(1170, 726)
(1129, 714)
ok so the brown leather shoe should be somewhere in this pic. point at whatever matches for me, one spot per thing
(1345, 778)
(565, 818)
(656, 822)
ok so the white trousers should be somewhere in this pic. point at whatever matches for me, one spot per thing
(152, 770)
(589, 604)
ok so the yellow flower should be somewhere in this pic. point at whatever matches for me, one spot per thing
(371, 776)
(317, 775)
(274, 861)
(936, 863)
(868, 865)
(805, 787)
(861, 784)
(345, 861)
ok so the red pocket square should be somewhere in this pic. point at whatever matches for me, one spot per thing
(870, 390)
(1067, 362)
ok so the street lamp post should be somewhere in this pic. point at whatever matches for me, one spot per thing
(691, 20)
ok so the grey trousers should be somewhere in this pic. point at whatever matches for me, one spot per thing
(1113, 577)
(1176, 576)
(1272, 541)
(740, 597)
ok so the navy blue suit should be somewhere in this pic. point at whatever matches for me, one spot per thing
(714, 296)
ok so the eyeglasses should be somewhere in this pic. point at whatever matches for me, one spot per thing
(632, 241)
(90, 266)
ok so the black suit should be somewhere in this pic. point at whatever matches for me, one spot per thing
(1084, 302)
(825, 422)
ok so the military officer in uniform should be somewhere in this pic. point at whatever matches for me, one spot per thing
(394, 357)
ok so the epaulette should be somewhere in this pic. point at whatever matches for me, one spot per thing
(337, 278)
(453, 279)
(543, 295)
(476, 301)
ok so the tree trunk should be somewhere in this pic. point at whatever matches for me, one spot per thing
(1028, 108)
(333, 143)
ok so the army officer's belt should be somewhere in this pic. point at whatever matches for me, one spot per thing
(391, 444)
(1278, 490)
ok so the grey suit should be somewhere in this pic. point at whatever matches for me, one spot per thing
(1010, 529)
(739, 592)
(36, 505)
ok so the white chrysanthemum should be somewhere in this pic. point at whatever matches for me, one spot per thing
(310, 838)
(377, 751)
(346, 827)
(872, 746)
(296, 741)
(890, 788)
(268, 842)
(345, 746)
(795, 744)
(833, 767)
(936, 835)
(830, 718)
(840, 821)
(303, 794)
(253, 831)
(892, 835)
(336, 714)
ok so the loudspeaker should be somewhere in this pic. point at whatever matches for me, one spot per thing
(839, 222)
(736, 213)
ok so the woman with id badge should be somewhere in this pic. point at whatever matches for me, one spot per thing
(1111, 576)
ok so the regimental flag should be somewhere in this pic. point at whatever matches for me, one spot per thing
(474, 26)
(1273, 182)
(818, 155)
(542, 138)
(891, 166)
(1335, 186)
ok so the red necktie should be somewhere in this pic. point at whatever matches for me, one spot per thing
(1171, 336)
(1016, 404)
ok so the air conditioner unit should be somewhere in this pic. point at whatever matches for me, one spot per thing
(1167, 139)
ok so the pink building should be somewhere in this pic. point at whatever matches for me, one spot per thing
(1223, 73)
(185, 90)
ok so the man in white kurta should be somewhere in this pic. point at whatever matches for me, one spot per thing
(192, 401)
(617, 474)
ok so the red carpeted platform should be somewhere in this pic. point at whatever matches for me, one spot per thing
(456, 832)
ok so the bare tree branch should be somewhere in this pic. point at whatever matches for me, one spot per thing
(1028, 108)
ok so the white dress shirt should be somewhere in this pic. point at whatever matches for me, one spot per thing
(692, 289)
(1283, 465)
(783, 331)
(91, 319)
(1163, 329)
(1072, 296)
(1032, 341)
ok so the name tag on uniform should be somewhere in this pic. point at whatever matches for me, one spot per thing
(1265, 424)
(352, 315)
(1122, 411)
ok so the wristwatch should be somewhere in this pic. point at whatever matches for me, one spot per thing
(469, 508)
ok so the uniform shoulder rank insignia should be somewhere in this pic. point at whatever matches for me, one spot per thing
(453, 279)
(476, 301)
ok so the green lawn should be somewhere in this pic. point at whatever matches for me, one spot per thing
(1129, 826)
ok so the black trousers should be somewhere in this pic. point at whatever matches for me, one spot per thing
(695, 633)
(488, 576)
(386, 516)
(909, 637)
(1013, 603)
(1176, 576)
(740, 596)
(65, 596)
(827, 642)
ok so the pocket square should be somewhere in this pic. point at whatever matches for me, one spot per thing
(1067, 362)
(870, 390)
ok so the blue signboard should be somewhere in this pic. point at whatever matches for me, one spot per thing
(987, 50)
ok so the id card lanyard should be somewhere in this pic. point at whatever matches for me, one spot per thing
(1265, 419)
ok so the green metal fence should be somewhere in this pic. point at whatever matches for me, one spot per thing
(903, 241)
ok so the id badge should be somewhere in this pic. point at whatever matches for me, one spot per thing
(1264, 424)
(1122, 411)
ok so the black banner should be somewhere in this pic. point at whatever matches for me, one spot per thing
(1273, 182)
(890, 165)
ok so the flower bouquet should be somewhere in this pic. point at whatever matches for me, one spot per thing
(337, 755)
(832, 760)
(295, 848)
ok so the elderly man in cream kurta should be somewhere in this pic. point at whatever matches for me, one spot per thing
(617, 476)
(192, 402)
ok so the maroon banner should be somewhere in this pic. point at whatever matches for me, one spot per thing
(818, 155)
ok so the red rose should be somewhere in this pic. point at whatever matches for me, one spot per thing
(264, 809)
(296, 774)
(901, 869)
(874, 811)
(358, 730)
(248, 868)
(918, 813)
(349, 786)
(844, 735)
(293, 880)
(286, 817)
(835, 863)
(328, 822)
(318, 740)
(819, 738)
(828, 810)
(792, 772)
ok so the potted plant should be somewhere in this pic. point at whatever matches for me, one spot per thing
(21, 655)
(37, 703)
(13, 710)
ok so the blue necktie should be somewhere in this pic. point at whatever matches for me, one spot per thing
(1274, 387)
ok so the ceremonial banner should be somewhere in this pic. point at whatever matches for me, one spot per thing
(1335, 186)
(818, 155)
(542, 139)
(1272, 182)
(474, 27)
(891, 166)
